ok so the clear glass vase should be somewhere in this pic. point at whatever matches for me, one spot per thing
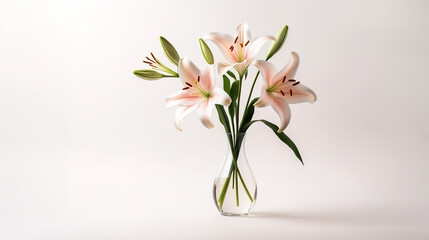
(234, 189)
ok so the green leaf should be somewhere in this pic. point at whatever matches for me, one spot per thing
(207, 53)
(226, 84)
(231, 110)
(248, 114)
(232, 75)
(233, 94)
(278, 43)
(148, 74)
(223, 118)
(282, 136)
(170, 51)
(234, 91)
(246, 73)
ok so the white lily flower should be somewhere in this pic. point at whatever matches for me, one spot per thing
(279, 89)
(198, 93)
(240, 51)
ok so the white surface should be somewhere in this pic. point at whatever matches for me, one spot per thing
(88, 151)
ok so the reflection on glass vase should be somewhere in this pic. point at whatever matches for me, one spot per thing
(234, 189)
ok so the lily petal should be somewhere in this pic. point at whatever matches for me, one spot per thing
(223, 67)
(207, 77)
(224, 42)
(288, 71)
(265, 99)
(182, 98)
(283, 110)
(242, 66)
(255, 45)
(301, 93)
(205, 111)
(181, 112)
(267, 70)
(188, 72)
(219, 96)
(243, 33)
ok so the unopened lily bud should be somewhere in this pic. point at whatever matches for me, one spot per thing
(148, 74)
(278, 43)
(207, 53)
(170, 51)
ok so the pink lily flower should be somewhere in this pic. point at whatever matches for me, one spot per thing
(280, 89)
(240, 51)
(198, 93)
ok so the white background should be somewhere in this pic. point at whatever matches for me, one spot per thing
(88, 151)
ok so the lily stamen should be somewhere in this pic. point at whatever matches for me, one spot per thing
(150, 60)
(154, 58)
(235, 41)
(190, 85)
(290, 91)
(199, 90)
(232, 48)
(158, 65)
(185, 88)
(247, 42)
(281, 91)
(282, 84)
(197, 85)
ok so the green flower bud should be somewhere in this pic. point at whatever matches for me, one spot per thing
(207, 53)
(278, 43)
(148, 74)
(170, 51)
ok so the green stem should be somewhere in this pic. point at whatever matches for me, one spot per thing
(237, 112)
(227, 180)
(233, 128)
(244, 185)
(251, 89)
(233, 180)
(223, 192)
(172, 76)
(236, 188)
(166, 69)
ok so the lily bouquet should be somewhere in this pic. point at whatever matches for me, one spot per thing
(235, 188)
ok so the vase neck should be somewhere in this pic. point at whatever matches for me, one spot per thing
(235, 142)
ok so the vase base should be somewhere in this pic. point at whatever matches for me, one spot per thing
(235, 214)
